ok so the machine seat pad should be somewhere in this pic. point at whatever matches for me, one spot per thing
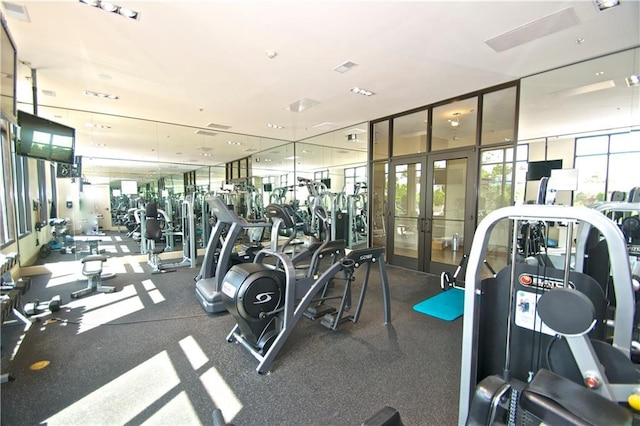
(557, 400)
(206, 286)
(92, 265)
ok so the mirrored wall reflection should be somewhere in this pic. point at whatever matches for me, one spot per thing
(590, 96)
(164, 163)
(327, 170)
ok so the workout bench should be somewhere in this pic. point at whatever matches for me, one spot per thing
(92, 268)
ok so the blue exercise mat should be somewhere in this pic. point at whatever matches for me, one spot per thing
(446, 306)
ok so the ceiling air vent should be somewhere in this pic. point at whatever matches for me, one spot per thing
(345, 66)
(218, 126)
(16, 11)
(301, 104)
(205, 133)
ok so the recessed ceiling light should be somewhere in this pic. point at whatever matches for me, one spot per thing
(128, 13)
(633, 80)
(599, 73)
(112, 8)
(579, 40)
(274, 126)
(233, 143)
(100, 95)
(361, 91)
(97, 126)
(606, 4)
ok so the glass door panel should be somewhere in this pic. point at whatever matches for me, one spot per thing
(448, 204)
(407, 216)
(449, 218)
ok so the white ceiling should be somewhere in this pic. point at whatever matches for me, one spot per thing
(194, 63)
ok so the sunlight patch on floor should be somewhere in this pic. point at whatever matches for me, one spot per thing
(125, 397)
(101, 308)
(193, 352)
(178, 411)
(221, 394)
(135, 265)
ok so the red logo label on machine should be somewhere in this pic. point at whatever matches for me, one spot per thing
(542, 282)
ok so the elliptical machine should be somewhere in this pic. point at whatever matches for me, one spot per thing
(220, 253)
(267, 303)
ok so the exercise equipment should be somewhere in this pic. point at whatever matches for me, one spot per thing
(153, 233)
(221, 253)
(37, 307)
(92, 271)
(267, 303)
(446, 306)
(286, 224)
(448, 281)
(386, 416)
(357, 214)
(503, 335)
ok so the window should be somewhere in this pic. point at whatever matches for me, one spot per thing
(353, 176)
(410, 133)
(7, 229)
(605, 164)
(42, 193)
(498, 116)
(454, 124)
(322, 174)
(284, 181)
(21, 167)
(380, 140)
(496, 180)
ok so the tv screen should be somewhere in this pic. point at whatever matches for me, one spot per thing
(45, 139)
(539, 169)
(267, 187)
(327, 182)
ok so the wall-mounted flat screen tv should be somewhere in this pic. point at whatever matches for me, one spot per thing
(539, 169)
(45, 139)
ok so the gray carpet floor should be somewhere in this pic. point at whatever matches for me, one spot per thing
(149, 354)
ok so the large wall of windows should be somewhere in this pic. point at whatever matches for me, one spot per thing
(606, 164)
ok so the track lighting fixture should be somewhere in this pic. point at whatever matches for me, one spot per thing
(113, 8)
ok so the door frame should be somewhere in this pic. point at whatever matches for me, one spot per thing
(471, 195)
(394, 258)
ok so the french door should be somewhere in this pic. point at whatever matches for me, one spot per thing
(431, 210)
